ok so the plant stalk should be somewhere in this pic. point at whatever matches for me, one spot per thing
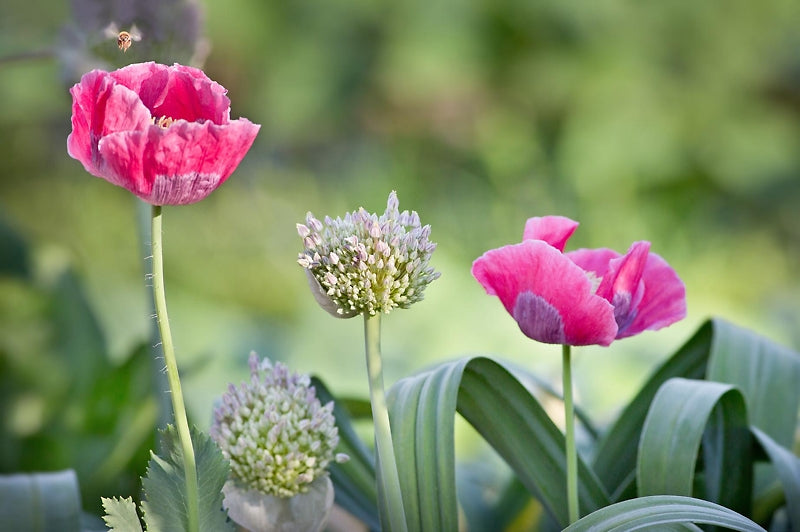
(178, 408)
(389, 480)
(569, 420)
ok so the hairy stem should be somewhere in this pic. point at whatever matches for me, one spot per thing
(178, 408)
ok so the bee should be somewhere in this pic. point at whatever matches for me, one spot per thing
(124, 38)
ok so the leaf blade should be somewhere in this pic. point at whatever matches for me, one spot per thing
(647, 512)
(675, 426)
(121, 515)
(488, 396)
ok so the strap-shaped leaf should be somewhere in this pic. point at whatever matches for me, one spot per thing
(40, 501)
(658, 513)
(422, 409)
(615, 459)
(681, 413)
(787, 466)
(354, 480)
(767, 374)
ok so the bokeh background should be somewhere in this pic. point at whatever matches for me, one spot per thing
(675, 122)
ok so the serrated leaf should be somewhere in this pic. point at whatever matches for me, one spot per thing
(682, 413)
(658, 512)
(422, 410)
(165, 489)
(121, 515)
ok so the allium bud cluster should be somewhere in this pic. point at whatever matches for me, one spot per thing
(365, 263)
(273, 429)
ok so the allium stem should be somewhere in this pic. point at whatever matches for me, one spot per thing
(392, 514)
(178, 408)
(569, 420)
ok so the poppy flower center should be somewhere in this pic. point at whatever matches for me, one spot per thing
(594, 279)
(162, 121)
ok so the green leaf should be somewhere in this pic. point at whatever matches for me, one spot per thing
(615, 459)
(356, 490)
(656, 512)
(422, 409)
(121, 515)
(767, 374)
(671, 437)
(165, 489)
(787, 466)
(40, 502)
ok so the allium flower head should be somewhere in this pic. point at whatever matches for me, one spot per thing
(365, 263)
(273, 429)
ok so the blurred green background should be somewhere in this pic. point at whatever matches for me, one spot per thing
(675, 122)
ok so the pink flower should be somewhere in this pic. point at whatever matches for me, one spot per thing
(588, 296)
(162, 132)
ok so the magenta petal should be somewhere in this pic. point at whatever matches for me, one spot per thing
(545, 279)
(662, 299)
(99, 108)
(555, 230)
(593, 260)
(178, 165)
(177, 92)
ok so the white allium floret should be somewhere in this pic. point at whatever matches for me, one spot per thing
(274, 431)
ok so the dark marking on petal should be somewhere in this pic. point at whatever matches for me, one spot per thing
(624, 313)
(538, 319)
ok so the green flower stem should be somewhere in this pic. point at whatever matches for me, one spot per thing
(178, 408)
(569, 419)
(389, 488)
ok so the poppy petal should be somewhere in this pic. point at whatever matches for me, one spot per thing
(181, 164)
(661, 302)
(555, 230)
(177, 92)
(546, 279)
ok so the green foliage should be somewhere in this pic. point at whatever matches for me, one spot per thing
(41, 502)
(65, 404)
(647, 513)
(692, 460)
(164, 507)
(671, 436)
(356, 490)
(165, 490)
(121, 515)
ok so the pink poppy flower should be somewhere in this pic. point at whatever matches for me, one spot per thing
(646, 292)
(162, 132)
(588, 296)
